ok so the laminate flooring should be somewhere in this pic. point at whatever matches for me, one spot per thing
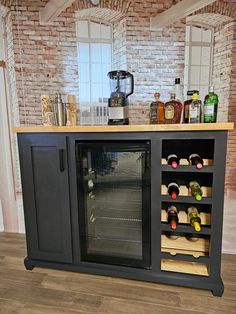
(46, 291)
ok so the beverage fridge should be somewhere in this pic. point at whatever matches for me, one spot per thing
(113, 179)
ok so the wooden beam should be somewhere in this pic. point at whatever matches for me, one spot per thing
(177, 12)
(52, 9)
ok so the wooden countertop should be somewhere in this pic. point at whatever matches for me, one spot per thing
(126, 128)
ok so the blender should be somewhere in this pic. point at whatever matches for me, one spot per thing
(122, 85)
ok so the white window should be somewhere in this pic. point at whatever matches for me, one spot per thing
(94, 62)
(198, 59)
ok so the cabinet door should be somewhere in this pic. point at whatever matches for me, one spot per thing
(44, 175)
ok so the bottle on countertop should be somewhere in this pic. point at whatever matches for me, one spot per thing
(173, 160)
(195, 109)
(60, 110)
(195, 190)
(172, 217)
(187, 104)
(194, 218)
(157, 110)
(173, 110)
(179, 95)
(210, 106)
(173, 190)
(195, 160)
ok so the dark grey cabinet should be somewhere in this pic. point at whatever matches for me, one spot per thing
(44, 173)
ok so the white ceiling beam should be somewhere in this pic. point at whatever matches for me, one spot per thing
(52, 9)
(177, 12)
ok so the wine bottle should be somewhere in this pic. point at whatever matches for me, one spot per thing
(195, 190)
(173, 160)
(194, 218)
(173, 190)
(172, 217)
(195, 159)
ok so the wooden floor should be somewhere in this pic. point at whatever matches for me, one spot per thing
(52, 291)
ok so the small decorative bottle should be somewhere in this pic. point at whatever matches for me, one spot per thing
(157, 110)
(173, 110)
(195, 109)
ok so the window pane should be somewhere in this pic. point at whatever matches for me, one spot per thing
(106, 31)
(203, 92)
(196, 55)
(84, 73)
(83, 52)
(95, 52)
(96, 73)
(106, 90)
(106, 53)
(84, 93)
(196, 33)
(95, 30)
(206, 35)
(206, 56)
(195, 75)
(82, 29)
(96, 92)
(106, 67)
(204, 79)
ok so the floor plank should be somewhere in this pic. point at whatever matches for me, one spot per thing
(47, 291)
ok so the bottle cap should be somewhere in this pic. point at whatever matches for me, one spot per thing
(199, 165)
(191, 92)
(198, 197)
(173, 224)
(197, 226)
(172, 95)
(195, 96)
(211, 89)
(157, 95)
(173, 195)
(174, 164)
(177, 80)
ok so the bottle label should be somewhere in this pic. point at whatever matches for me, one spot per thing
(193, 113)
(169, 112)
(209, 109)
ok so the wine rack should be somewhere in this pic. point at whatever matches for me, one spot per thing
(185, 250)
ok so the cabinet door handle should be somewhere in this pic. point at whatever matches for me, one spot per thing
(61, 160)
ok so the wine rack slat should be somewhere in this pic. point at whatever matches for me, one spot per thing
(186, 229)
(185, 257)
(184, 162)
(184, 191)
(183, 217)
(174, 252)
(185, 267)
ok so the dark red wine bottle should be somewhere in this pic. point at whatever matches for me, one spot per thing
(172, 217)
(173, 160)
(173, 190)
(195, 160)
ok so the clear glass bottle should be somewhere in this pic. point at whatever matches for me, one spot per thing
(173, 110)
(195, 109)
(194, 218)
(179, 95)
(157, 110)
(187, 104)
(195, 190)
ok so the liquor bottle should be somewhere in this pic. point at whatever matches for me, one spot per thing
(195, 159)
(60, 110)
(195, 109)
(179, 95)
(173, 160)
(172, 217)
(195, 190)
(194, 218)
(187, 104)
(210, 106)
(173, 110)
(173, 190)
(157, 110)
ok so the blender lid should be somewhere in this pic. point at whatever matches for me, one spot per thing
(118, 73)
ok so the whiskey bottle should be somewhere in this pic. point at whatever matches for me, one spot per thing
(172, 217)
(195, 190)
(187, 104)
(157, 110)
(173, 110)
(210, 106)
(173, 160)
(196, 160)
(195, 109)
(194, 218)
(173, 190)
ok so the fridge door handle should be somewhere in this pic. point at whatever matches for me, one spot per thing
(61, 160)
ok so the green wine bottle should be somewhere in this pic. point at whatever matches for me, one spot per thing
(210, 106)
(195, 190)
